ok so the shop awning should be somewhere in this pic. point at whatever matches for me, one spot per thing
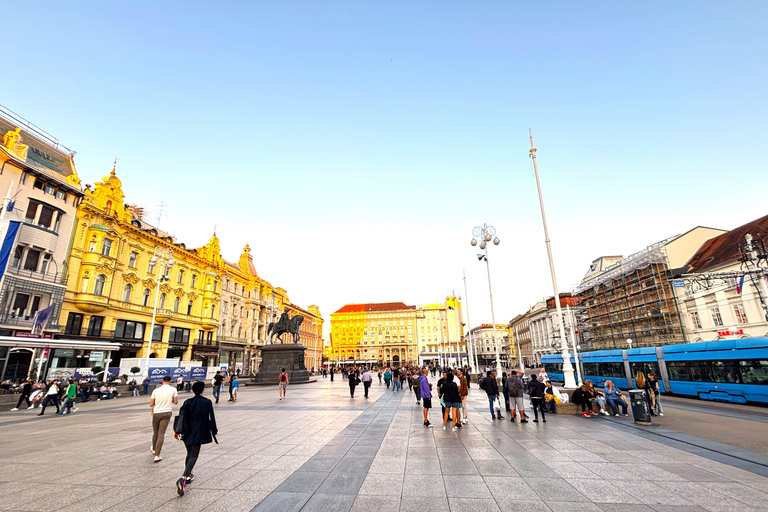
(14, 341)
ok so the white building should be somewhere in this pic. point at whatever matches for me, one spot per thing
(715, 303)
(485, 340)
(544, 325)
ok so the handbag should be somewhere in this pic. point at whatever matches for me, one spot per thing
(498, 404)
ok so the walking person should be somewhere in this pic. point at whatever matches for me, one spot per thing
(231, 379)
(218, 379)
(367, 379)
(69, 398)
(354, 380)
(425, 391)
(161, 402)
(536, 393)
(26, 391)
(379, 376)
(52, 395)
(282, 383)
(387, 377)
(452, 400)
(198, 427)
(505, 391)
(463, 392)
(180, 383)
(145, 383)
(491, 388)
(332, 371)
(235, 387)
(514, 387)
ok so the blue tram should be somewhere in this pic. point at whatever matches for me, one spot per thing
(727, 371)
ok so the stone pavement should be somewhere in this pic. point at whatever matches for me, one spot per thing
(320, 450)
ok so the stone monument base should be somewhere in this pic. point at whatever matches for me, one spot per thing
(276, 357)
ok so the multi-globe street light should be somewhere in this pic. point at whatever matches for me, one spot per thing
(163, 257)
(483, 235)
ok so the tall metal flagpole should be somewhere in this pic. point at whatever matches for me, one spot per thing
(570, 381)
(472, 350)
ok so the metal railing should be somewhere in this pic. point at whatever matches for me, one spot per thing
(48, 277)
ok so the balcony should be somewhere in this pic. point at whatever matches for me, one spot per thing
(162, 315)
(48, 277)
(209, 324)
(87, 332)
(233, 339)
(91, 303)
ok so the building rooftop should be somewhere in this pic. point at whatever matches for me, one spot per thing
(725, 248)
(380, 306)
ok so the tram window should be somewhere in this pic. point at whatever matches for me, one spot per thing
(726, 372)
(754, 371)
(646, 368)
(679, 370)
(590, 369)
(604, 369)
(553, 367)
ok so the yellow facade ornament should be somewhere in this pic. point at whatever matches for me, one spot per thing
(149, 283)
(212, 252)
(165, 288)
(131, 278)
(108, 196)
(192, 295)
(179, 291)
(12, 142)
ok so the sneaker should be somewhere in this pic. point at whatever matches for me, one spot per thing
(15, 409)
(428, 425)
(543, 420)
(661, 414)
(617, 414)
(593, 413)
(536, 421)
(181, 486)
(625, 415)
(40, 414)
(28, 408)
(190, 478)
(455, 429)
(585, 414)
(604, 413)
(464, 421)
(501, 417)
(443, 427)
(74, 410)
(523, 420)
(418, 403)
(157, 458)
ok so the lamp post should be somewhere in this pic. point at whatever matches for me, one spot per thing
(471, 348)
(441, 347)
(164, 258)
(570, 382)
(453, 298)
(483, 235)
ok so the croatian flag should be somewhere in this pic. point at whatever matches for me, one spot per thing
(739, 284)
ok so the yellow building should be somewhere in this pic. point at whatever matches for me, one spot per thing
(440, 333)
(381, 334)
(112, 284)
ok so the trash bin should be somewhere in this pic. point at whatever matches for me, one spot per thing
(640, 409)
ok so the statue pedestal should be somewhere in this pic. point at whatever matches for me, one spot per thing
(276, 357)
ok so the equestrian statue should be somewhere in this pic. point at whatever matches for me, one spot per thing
(286, 324)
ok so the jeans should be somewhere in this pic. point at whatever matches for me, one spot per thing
(657, 406)
(396, 385)
(193, 451)
(160, 422)
(366, 385)
(216, 393)
(491, 400)
(615, 404)
(550, 406)
(50, 398)
(387, 383)
(537, 403)
(146, 388)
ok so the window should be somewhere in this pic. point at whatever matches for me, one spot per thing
(61, 195)
(145, 297)
(194, 280)
(74, 323)
(178, 335)
(32, 259)
(132, 259)
(41, 214)
(128, 329)
(46, 263)
(189, 307)
(754, 371)
(162, 301)
(157, 333)
(127, 291)
(20, 304)
(695, 320)
(716, 318)
(17, 254)
(94, 325)
(92, 246)
(48, 189)
(176, 303)
(215, 286)
(740, 314)
(181, 277)
(213, 311)
(151, 267)
(106, 247)
(98, 288)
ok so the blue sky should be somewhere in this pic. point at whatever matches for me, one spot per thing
(354, 145)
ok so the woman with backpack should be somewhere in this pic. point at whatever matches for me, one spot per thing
(282, 383)
(196, 426)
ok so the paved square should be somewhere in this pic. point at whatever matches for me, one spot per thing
(320, 450)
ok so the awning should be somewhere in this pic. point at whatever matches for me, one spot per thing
(14, 341)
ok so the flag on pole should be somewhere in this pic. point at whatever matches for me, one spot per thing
(739, 284)
(41, 319)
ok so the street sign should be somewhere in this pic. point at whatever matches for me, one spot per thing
(678, 283)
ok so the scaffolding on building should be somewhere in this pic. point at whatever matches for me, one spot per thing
(633, 300)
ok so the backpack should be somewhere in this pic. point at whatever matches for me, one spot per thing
(282, 377)
(178, 421)
(514, 387)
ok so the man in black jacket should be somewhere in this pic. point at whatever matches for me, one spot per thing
(536, 392)
(491, 388)
(198, 428)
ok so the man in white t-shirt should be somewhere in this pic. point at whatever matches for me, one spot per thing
(161, 402)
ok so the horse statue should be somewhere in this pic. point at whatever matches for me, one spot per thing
(285, 325)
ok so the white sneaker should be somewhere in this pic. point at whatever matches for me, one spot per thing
(443, 427)
(74, 410)
(661, 414)
(32, 407)
(15, 409)
(605, 413)
(455, 429)
(617, 414)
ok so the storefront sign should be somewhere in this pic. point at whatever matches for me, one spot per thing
(28, 334)
(61, 373)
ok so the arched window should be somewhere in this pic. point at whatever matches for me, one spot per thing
(162, 301)
(176, 303)
(98, 288)
(145, 297)
(189, 307)
(127, 291)
(213, 311)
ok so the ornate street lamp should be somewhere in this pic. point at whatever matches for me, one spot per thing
(483, 235)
